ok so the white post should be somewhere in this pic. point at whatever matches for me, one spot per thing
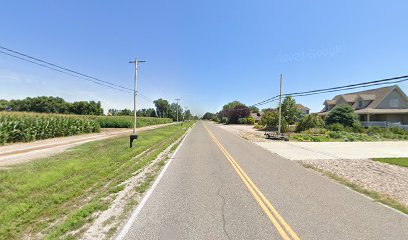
(280, 106)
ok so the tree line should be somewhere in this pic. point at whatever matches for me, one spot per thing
(237, 112)
(45, 104)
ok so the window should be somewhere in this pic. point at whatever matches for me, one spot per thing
(394, 102)
(360, 104)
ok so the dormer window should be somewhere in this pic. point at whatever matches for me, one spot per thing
(360, 104)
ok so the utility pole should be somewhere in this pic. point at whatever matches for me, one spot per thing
(134, 135)
(280, 106)
(177, 99)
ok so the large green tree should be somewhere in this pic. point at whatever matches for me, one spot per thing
(290, 111)
(343, 114)
(162, 107)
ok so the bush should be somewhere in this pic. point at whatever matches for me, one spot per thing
(259, 126)
(309, 121)
(343, 114)
(336, 127)
(271, 120)
(250, 120)
(242, 121)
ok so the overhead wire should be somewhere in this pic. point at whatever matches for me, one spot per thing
(73, 73)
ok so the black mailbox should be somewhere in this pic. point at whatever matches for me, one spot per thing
(132, 137)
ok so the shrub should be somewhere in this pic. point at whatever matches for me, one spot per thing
(343, 114)
(336, 127)
(271, 120)
(258, 126)
(250, 120)
(309, 121)
(315, 131)
(242, 121)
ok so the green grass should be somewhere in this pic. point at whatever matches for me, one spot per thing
(59, 194)
(127, 121)
(403, 162)
(376, 196)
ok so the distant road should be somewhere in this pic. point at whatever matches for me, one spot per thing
(24, 152)
(219, 186)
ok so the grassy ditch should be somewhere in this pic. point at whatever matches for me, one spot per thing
(51, 197)
(403, 162)
(376, 196)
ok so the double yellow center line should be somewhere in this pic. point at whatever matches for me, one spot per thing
(281, 226)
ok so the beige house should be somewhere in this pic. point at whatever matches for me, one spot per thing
(386, 106)
(257, 116)
(303, 109)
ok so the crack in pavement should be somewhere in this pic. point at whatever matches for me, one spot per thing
(222, 210)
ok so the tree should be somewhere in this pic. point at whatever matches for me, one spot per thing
(308, 122)
(270, 119)
(232, 105)
(254, 109)
(290, 111)
(343, 114)
(208, 116)
(3, 104)
(162, 107)
(187, 115)
(173, 110)
(234, 111)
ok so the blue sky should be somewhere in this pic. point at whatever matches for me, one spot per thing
(205, 52)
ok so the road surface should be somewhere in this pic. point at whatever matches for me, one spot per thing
(24, 152)
(220, 186)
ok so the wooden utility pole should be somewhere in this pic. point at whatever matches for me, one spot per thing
(280, 106)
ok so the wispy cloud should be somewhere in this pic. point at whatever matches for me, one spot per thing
(8, 77)
(309, 54)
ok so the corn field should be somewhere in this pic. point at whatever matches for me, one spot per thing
(25, 127)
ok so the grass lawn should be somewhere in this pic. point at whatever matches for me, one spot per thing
(51, 197)
(403, 162)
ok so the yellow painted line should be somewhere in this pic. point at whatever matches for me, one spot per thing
(258, 195)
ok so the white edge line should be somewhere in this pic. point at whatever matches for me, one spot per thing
(136, 212)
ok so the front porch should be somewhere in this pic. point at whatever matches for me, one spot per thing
(384, 120)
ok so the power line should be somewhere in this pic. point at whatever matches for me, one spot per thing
(70, 72)
(336, 89)
(45, 66)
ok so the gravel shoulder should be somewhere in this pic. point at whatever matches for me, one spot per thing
(383, 178)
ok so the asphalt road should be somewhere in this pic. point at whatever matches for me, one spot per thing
(219, 186)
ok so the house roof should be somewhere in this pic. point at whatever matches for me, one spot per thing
(374, 111)
(256, 116)
(301, 107)
(376, 96)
